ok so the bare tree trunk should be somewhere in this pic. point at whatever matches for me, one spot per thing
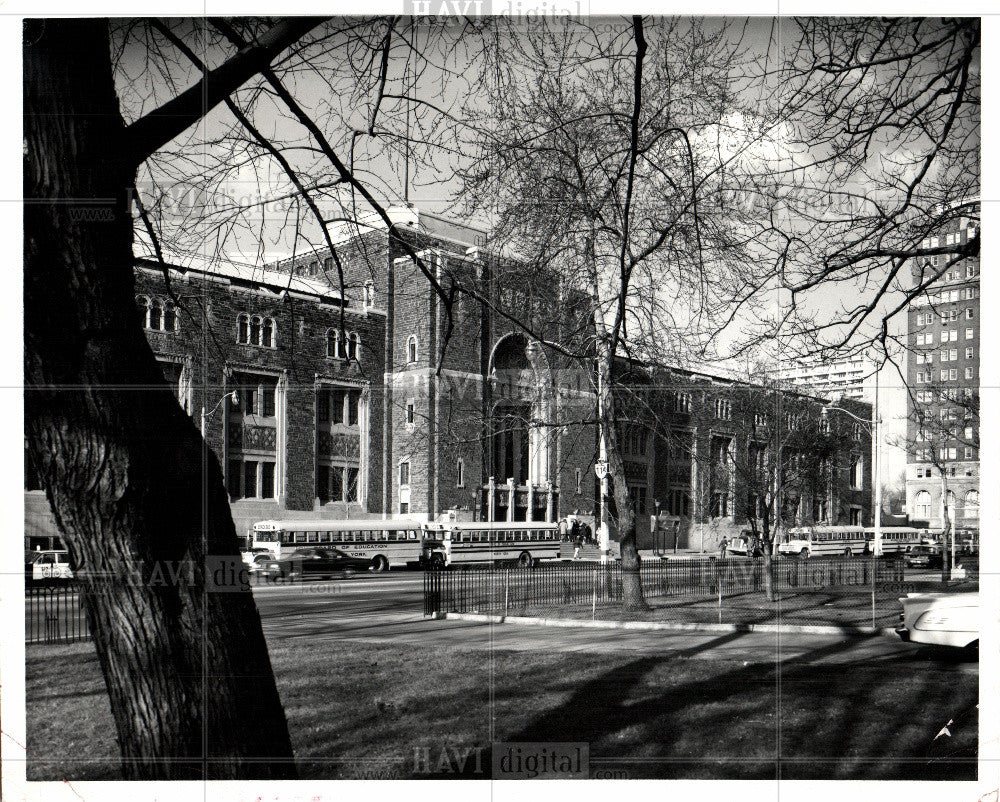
(139, 500)
(633, 597)
(946, 532)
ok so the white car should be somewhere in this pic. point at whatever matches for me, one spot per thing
(49, 565)
(942, 619)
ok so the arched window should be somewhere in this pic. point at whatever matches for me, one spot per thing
(155, 312)
(169, 317)
(333, 343)
(256, 330)
(411, 349)
(922, 505)
(972, 504)
(142, 307)
(354, 346)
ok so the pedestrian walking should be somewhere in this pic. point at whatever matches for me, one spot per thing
(577, 537)
(723, 546)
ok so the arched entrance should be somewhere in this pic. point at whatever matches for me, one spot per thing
(520, 440)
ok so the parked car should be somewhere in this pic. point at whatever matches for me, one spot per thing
(923, 556)
(252, 556)
(325, 563)
(942, 619)
(47, 566)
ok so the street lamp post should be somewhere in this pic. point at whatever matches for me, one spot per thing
(233, 396)
(873, 432)
(603, 536)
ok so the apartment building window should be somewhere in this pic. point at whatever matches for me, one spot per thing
(970, 352)
(953, 354)
(460, 472)
(970, 314)
(410, 413)
(969, 373)
(970, 271)
(255, 330)
(953, 374)
(969, 454)
(972, 504)
(922, 505)
(411, 349)
(969, 334)
(328, 264)
(948, 453)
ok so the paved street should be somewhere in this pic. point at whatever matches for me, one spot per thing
(389, 609)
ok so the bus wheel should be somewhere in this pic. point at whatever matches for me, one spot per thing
(437, 561)
(524, 561)
(380, 564)
(848, 552)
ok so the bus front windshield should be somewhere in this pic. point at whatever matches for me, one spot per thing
(266, 537)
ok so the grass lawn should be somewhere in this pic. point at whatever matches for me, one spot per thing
(377, 711)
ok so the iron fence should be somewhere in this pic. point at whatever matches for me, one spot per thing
(54, 614)
(849, 589)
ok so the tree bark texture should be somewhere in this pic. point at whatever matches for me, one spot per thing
(138, 497)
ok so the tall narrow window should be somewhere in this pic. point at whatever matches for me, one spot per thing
(404, 473)
(243, 329)
(267, 333)
(352, 484)
(154, 314)
(460, 472)
(411, 349)
(333, 343)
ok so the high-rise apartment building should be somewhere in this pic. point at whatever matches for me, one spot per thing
(942, 430)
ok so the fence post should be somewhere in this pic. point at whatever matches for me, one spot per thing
(718, 584)
(506, 590)
(874, 567)
(593, 608)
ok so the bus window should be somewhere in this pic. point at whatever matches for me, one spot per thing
(312, 537)
(299, 537)
(325, 537)
(413, 534)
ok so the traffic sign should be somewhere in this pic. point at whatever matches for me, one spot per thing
(601, 469)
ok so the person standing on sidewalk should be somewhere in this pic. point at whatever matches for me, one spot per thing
(723, 546)
(577, 538)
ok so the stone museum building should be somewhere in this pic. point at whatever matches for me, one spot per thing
(364, 398)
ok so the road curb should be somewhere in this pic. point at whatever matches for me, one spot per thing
(575, 623)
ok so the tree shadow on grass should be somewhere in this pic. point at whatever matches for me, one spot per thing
(803, 719)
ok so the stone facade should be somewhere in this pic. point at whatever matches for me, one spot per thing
(361, 398)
